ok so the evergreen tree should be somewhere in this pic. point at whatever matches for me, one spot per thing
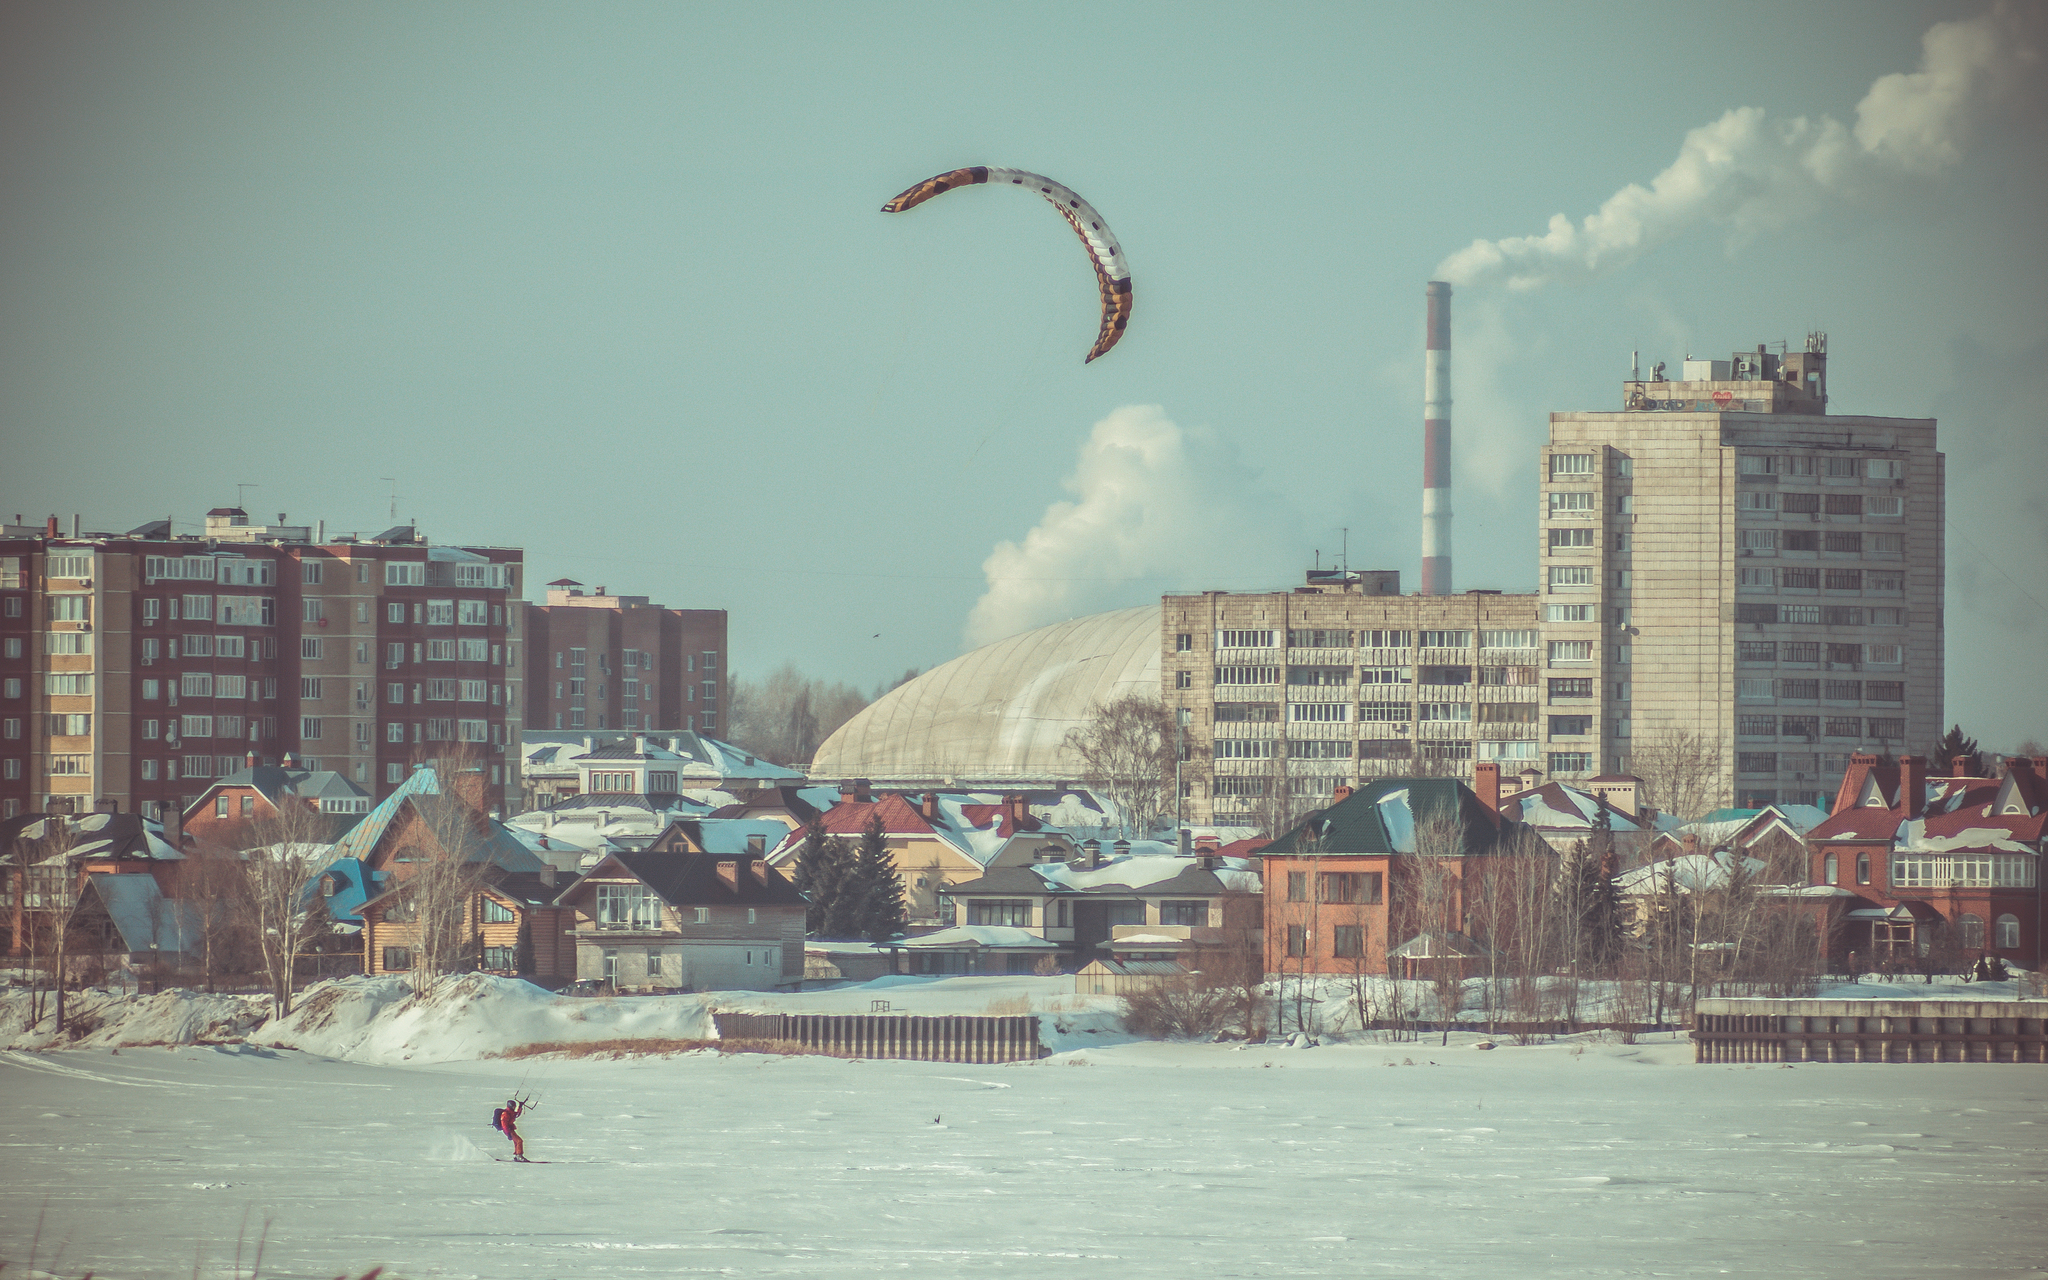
(824, 871)
(1954, 746)
(882, 914)
(1602, 921)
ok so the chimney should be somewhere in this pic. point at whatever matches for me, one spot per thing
(1436, 444)
(1091, 854)
(863, 790)
(729, 871)
(759, 866)
(106, 804)
(1340, 795)
(249, 761)
(1913, 786)
(1486, 784)
(930, 806)
(77, 524)
(547, 870)
(174, 825)
(320, 532)
(1187, 842)
(1019, 811)
(1959, 767)
(50, 527)
(1121, 848)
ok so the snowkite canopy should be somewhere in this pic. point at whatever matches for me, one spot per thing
(1112, 273)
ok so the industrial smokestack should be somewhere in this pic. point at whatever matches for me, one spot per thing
(1436, 445)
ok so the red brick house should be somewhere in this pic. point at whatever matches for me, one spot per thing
(1935, 864)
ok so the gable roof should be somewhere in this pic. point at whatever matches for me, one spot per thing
(422, 791)
(141, 915)
(96, 835)
(1556, 806)
(1380, 818)
(692, 880)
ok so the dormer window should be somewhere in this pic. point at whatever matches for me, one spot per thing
(607, 780)
(661, 781)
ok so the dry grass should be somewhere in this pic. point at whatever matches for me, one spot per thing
(654, 1047)
(1012, 1007)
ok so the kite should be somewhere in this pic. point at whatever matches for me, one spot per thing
(1112, 273)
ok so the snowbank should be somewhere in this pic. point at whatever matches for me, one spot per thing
(115, 1021)
(474, 1016)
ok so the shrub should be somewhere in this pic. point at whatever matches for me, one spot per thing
(1177, 1009)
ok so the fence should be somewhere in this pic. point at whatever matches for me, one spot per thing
(872, 1035)
(1870, 1031)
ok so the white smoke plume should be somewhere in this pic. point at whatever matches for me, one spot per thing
(1749, 172)
(1152, 503)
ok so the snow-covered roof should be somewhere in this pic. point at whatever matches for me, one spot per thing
(1004, 710)
(1139, 871)
(970, 936)
(143, 917)
(1687, 873)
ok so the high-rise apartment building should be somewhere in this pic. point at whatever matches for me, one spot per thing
(1282, 696)
(1724, 559)
(601, 661)
(140, 666)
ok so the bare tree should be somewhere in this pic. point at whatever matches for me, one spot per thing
(786, 717)
(1432, 902)
(53, 899)
(1681, 770)
(448, 872)
(1127, 751)
(284, 852)
(214, 886)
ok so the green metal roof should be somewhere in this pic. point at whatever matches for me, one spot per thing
(1380, 817)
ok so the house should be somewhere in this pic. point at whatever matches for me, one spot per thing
(724, 836)
(972, 948)
(1144, 901)
(555, 766)
(422, 824)
(1395, 861)
(36, 875)
(216, 815)
(937, 839)
(668, 921)
(1947, 867)
(1564, 814)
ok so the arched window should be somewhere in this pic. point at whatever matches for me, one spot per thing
(1970, 932)
(1862, 868)
(2009, 932)
(1831, 870)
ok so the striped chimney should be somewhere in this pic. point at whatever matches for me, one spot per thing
(1436, 445)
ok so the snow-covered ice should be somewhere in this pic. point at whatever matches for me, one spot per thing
(1580, 1158)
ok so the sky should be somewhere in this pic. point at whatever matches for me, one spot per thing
(611, 283)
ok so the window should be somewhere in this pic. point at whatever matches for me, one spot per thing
(1830, 869)
(1625, 505)
(69, 725)
(1498, 677)
(627, 906)
(440, 650)
(1507, 639)
(1297, 940)
(1884, 508)
(1012, 912)
(1756, 651)
(1799, 690)
(1247, 675)
(309, 687)
(1756, 762)
(1571, 464)
(1384, 712)
(1885, 691)
(1386, 675)
(1318, 711)
(475, 690)
(1183, 680)
(1564, 652)
(68, 683)
(78, 608)
(1571, 687)
(1571, 502)
(440, 613)
(1247, 713)
(1444, 639)
(1348, 941)
(496, 912)
(1843, 690)
(1887, 617)
(397, 959)
(1572, 575)
(1508, 751)
(1844, 579)
(2008, 932)
(1384, 749)
(1183, 643)
(1850, 543)
(1570, 726)
(1571, 613)
(1571, 762)
(404, 574)
(1756, 726)
(309, 728)
(1319, 639)
(1572, 538)
(1319, 749)
(1445, 711)
(1318, 676)
(1507, 713)
(1887, 728)
(1801, 651)
(1800, 539)
(1385, 639)
(473, 613)
(1193, 913)
(1243, 640)
(1842, 504)
(1757, 500)
(1243, 749)
(1863, 868)
(1969, 931)
(1755, 464)
(1885, 655)
(1759, 542)
(1836, 615)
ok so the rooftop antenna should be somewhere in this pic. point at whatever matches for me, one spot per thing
(394, 499)
(238, 494)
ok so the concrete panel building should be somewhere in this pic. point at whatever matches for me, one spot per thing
(1723, 558)
(1284, 696)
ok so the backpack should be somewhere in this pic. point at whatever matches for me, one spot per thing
(498, 1119)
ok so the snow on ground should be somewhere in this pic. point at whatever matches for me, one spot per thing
(1574, 1159)
(118, 1019)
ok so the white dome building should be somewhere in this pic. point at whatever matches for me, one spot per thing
(1000, 716)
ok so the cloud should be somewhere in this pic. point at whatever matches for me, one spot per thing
(1154, 507)
(1749, 173)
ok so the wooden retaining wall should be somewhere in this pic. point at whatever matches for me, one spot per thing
(1870, 1031)
(892, 1035)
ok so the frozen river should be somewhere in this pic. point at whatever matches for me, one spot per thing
(1135, 1160)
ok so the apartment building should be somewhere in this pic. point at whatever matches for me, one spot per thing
(599, 661)
(141, 666)
(1284, 696)
(1723, 558)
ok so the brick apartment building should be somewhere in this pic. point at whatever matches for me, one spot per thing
(135, 668)
(597, 661)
